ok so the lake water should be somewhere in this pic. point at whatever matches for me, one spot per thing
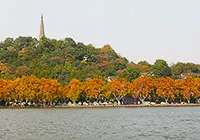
(178, 123)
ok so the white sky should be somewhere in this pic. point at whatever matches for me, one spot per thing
(137, 29)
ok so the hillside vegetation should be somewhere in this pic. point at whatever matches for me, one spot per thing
(66, 59)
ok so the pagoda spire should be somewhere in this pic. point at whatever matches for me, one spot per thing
(41, 28)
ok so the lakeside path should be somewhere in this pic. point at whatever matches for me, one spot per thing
(102, 106)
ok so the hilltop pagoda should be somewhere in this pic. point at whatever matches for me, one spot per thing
(42, 34)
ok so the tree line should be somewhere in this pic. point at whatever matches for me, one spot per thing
(33, 90)
(66, 59)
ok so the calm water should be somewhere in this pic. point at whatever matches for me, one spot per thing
(181, 123)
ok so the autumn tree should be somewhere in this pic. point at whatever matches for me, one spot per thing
(132, 89)
(117, 88)
(72, 90)
(93, 88)
(10, 94)
(165, 88)
(3, 89)
(189, 88)
(143, 87)
(26, 89)
(197, 84)
(50, 90)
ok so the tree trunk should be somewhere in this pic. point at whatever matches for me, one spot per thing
(166, 101)
(118, 101)
(142, 100)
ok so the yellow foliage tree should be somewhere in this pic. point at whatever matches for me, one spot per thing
(3, 89)
(26, 89)
(73, 90)
(50, 90)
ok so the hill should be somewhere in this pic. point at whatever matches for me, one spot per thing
(65, 59)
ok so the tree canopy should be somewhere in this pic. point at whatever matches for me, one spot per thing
(66, 59)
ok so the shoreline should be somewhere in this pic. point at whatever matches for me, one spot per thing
(100, 106)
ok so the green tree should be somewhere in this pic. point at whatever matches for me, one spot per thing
(131, 73)
(161, 69)
(144, 63)
(184, 69)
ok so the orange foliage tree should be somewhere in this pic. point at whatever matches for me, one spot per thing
(3, 89)
(118, 88)
(132, 90)
(178, 90)
(197, 83)
(189, 88)
(143, 86)
(93, 88)
(165, 88)
(32, 89)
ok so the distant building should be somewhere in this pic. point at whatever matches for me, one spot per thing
(42, 34)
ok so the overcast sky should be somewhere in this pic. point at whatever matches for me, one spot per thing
(137, 29)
